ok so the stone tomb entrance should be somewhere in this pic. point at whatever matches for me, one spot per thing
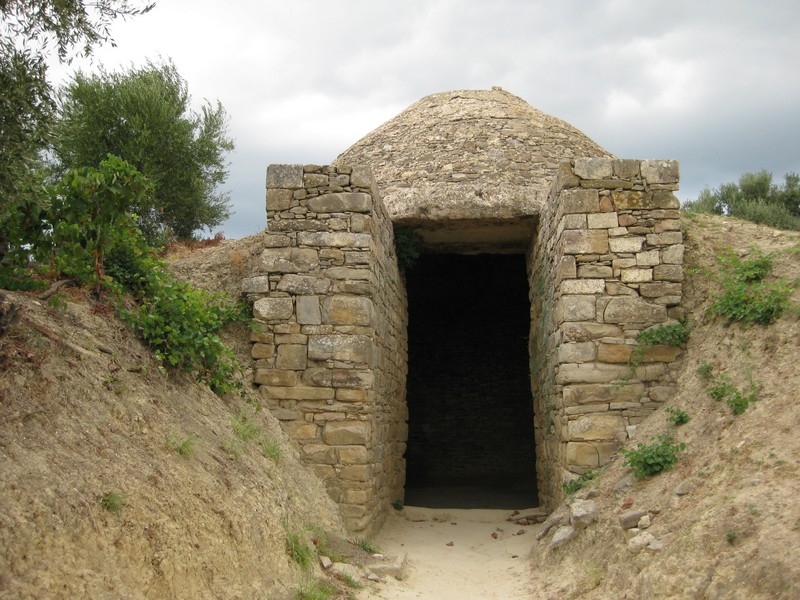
(470, 423)
(376, 417)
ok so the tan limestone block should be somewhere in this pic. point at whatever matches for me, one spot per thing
(650, 258)
(625, 309)
(347, 310)
(349, 348)
(583, 286)
(339, 378)
(574, 221)
(582, 332)
(660, 171)
(357, 496)
(657, 290)
(565, 269)
(592, 271)
(668, 273)
(604, 220)
(352, 511)
(273, 309)
(349, 273)
(635, 275)
(576, 353)
(292, 356)
(299, 392)
(590, 373)
(614, 353)
(353, 455)
(279, 199)
(319, 454)
(288, 260)
(585, 241)
(275, 377)
(589, 393)
(673, 255)
(300, 430)
(661, 353)
(355, 473)
(579, 201)
(590, 454)
(626, 244)
(346, 433)
(346, 395)
(575, 308)
(334, 239)
(341, 202)
(626, 168)
(667, 238)
(593, 168)
(595, 427)
(303, 285)
(263, 351)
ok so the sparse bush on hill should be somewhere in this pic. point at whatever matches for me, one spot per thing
(755, 198)
(747, 295)
(650, 459)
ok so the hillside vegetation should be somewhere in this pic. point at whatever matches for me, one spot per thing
(118, 480)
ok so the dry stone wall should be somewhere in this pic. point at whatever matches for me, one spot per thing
(330, 340)
(605, 264)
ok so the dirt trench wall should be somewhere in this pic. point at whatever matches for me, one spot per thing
(330, 347)
(605, 264)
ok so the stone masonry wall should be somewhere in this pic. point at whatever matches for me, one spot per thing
(330, 345)
(605, 264)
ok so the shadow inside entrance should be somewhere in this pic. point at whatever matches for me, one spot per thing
(473, 496)
(470, 423)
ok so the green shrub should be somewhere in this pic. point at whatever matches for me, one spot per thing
(676, 416)
(766, 213)
(721, 388)
(367, 546)
(649, 459)
(316, 590)
(573, 485)
(114, 501)
(705, 371)
(183, 446)
(246, 429)
(747, 296)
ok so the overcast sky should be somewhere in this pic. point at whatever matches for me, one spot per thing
(714, 83)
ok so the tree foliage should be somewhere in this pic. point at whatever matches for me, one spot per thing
(755, 198)
(27, 29)
(143, 115)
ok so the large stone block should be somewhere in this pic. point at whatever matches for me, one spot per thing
(599, 427)
(308, 311)
(349, 348)
(292, 356)
(361, 177)
(593, 168)
(346, 433)
(353, 455)
(575, 308)
(590, 454)
(275, 377)
(673, 255)
(303, 285)
(657, 290)
(583, 332)
(289, 260)
(255, 285)
(340, 378)
(668, 273)
(299, 392)
(342, 202)
(334, 239)
(660, 171)
(279, 200)
(300, 430)
(579, 352)
(585, 241)
(628, 244)
(635, 275)
(599, 393)
(319, 454)
(628, 309)
(583, 286)
(606, 220)
(347, 310)
(579, 201)
(273, 309)
(590, 373)
(285, 176)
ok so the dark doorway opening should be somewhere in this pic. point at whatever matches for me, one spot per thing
(470, 439)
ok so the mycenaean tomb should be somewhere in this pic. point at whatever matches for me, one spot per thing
(500, 360)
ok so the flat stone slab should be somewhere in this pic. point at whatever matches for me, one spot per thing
(396, 566)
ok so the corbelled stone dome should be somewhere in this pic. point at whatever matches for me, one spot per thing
(466, 159)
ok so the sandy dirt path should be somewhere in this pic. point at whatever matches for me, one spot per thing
(477, 566)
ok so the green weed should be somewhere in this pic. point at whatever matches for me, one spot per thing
(705, 371)
(299, 551)
(350, 581)
(573, 485)
(367, 546)
(271, 449)
(649, 459)
(246, 429)
(183, 446)
(316, 590)
(721, 388)
(676, 416)
(114, 501)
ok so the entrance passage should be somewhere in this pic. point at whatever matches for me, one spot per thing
(470, 440)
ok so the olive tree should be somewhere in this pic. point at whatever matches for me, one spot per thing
(144, 116)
